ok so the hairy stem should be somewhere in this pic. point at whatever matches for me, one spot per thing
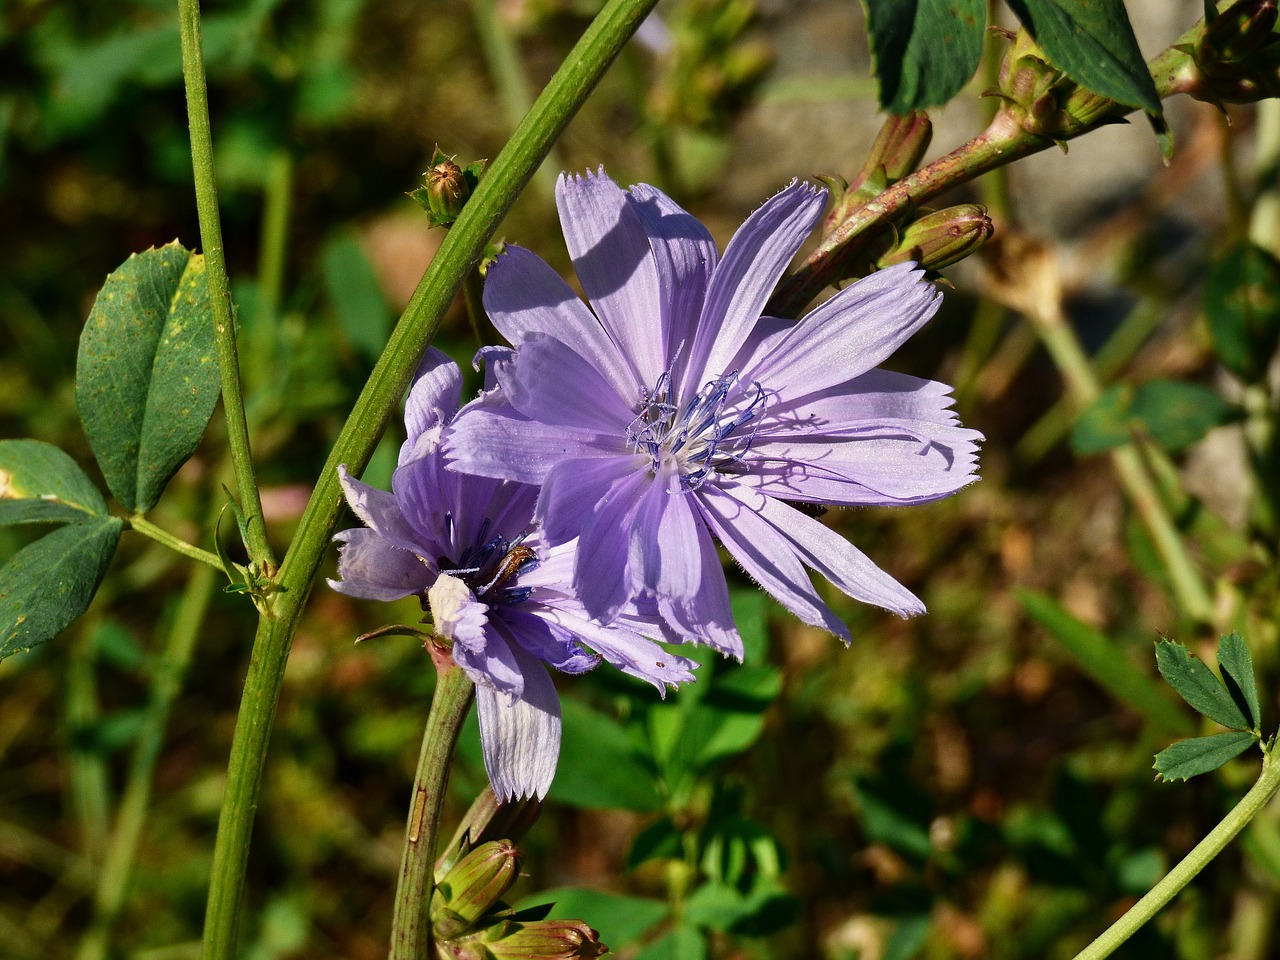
(148, 529)
(1195, 861)
(460, 251)
(219, 286)
(411, 923)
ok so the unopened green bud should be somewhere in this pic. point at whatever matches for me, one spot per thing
(1238, 32)
(942, 238)
(446, 188)
(547, 940)
(474, 885)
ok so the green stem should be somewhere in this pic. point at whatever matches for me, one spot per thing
(219, 287)
(1195, 861)
(460, 251)
(411, 923)
(88, 766)
(122, 846)
(262, 335)
(1082, 383)
(148, 529)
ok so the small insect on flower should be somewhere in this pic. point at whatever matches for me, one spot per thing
(498, 592)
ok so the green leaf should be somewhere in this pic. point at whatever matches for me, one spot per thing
(1093, 44)
(1196, 684)
(1190, 758)
(599, 766)
(1237, 672)
(682, 942)
(925, 50)
(1173, 414)
(1176, 414)
(41, 484)
(619, 920)
(147, 373)
(659, 840)
(50, 582)
(1242, 305)
(1103, 661)
(1104, 424)
(721, 907)
(358, 302)
(884, 823)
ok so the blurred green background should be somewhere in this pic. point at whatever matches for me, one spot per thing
(966, 784)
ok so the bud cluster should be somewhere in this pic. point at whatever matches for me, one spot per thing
(1040, 99)
(446, 189)
(470, 921)
(1237, 55)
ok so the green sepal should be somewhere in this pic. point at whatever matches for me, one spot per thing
(1190, 758)
(1196, 684)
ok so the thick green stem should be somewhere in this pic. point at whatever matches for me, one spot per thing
(219, 287)
(411, 923)
(122, 847)
(1177, 878)
(461, 249)
(148, 529)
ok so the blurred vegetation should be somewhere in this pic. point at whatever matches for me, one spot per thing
(965, 784)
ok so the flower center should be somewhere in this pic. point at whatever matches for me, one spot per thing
(701, 436)
(489, 566)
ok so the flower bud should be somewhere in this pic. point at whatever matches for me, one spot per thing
(446, 189)
(474, 885)
(1238, 32)
(547, 940)
(942, 238)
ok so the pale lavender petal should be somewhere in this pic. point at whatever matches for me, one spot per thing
(768, 557)
(492, 661)
(523, 295)
(707, 615)
(491, 438)
(629, 651)
(664, 555)
(549, 382)
(887, 462)
(600, 574)
(546, 640)
(855, 330)
(433, 398)
(748, 273)
(572, 488)
(379, 511)
(846, 567)
(614, 264)
(520, 738)
(457, 614)
(370, 567)
(685, 255)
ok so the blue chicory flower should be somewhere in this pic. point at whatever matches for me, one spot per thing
(673, 412)
(466, 547)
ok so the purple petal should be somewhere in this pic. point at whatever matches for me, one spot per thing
(572, 489)
(379, 511)
(685, 256)
(433, 398)
(600, 574)
(745, 278)
(663, 552)
(846, 336)
(370, 567)
(629, 651)
(613, 261)
(888, 462)
(489, 437)
(490, 659)
(523, 296)
(520, 737)
(549, 382)
(546, 640)
(707, 615)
